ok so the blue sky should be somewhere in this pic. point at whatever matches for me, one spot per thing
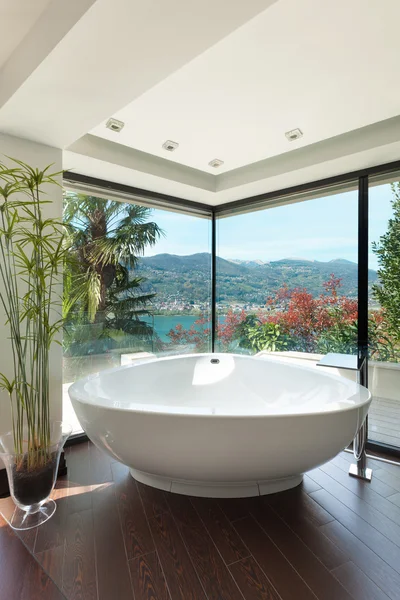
(321, 229)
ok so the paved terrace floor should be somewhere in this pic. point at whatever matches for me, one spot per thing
(384, 421)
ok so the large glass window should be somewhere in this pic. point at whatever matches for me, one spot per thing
(137, 281)
(287, 278)
(176, 271)
(384, 312)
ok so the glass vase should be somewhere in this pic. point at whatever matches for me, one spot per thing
(32, 476)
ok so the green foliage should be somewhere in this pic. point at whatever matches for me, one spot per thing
(387, 250)
(341, 337)
(82, 338)
(106, 238)
(257, 336)
(32, 255)
(167, 274)
(382, 345)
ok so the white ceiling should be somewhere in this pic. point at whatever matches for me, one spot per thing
(113, 52)
(16, 19)
(298, 64)
(225, 80)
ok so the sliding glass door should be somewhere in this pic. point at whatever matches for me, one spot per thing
(384, 310)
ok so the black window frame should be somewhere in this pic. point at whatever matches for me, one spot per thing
(358, 178)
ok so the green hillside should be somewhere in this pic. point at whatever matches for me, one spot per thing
(187, 278)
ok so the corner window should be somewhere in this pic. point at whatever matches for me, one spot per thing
(137, 284)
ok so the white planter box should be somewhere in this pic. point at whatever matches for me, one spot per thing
(383, 377)
(130, 359)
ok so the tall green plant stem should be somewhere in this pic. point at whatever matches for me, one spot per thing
(32, 254)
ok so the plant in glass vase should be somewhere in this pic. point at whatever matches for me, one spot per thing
(32, 254)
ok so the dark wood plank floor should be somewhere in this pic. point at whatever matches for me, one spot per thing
(332, 538)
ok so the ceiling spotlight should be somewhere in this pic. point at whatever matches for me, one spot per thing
(115, 125)
(294, 134)
(216, 163)
(170, 146)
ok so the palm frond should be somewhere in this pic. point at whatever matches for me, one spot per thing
(93, 293)
(107, 238)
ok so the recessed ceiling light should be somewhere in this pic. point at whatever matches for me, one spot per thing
(115, 125)
(170, 146)
(216, 162)
(294, 134)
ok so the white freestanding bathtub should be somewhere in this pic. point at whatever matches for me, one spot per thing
(219, 425)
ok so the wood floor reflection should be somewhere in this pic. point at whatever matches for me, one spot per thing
(333, 538)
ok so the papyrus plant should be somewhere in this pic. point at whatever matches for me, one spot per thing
(31, 259)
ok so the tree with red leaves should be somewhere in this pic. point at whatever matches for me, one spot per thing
(295, 320)
(199, 336)
(301, 319)
(305, 318)
(226, 331)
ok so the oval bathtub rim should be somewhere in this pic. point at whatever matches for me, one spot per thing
(76, 392)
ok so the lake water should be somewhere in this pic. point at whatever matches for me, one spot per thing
(164, 324)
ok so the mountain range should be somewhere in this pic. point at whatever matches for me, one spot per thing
(187, 278)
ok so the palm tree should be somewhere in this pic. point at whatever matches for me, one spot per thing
(106, 239)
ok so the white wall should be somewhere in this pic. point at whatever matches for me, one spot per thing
(36, 155)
